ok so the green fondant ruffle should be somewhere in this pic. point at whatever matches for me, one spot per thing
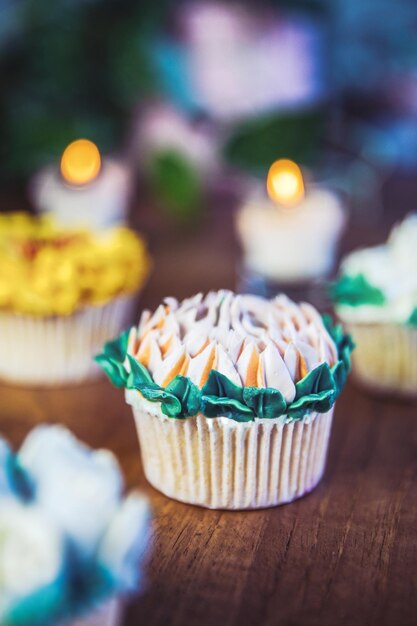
(221, 397)
(181, 398)
(112, 359)
(315, 392)
(356, 291)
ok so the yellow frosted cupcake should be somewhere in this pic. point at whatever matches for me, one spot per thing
(232, 396)
(376, 299)
(62, 292)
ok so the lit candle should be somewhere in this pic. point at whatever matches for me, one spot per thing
(290, 233)
(86, 190)
(285, 184)
(80, 162)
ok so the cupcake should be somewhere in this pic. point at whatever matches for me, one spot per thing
(70, 543)
(232, 396)
(376, 298)
(62, 293)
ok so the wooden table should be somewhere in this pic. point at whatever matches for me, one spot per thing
(345, 554)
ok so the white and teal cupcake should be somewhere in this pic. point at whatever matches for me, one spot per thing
(70, 544)
(232, 395)
(376, 299)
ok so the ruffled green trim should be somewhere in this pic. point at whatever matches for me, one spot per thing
(356, 291)
(315, 392)
(345, 346)
(180, 398)
(112, 359)
(220, 397)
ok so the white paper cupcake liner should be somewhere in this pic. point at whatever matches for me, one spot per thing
(222, 464)
(109, 614)
(59, 350)
(385, 357)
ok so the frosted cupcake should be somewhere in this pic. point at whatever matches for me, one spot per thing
(62, 293)
(376, 298)
(70, 544)
(232, 395)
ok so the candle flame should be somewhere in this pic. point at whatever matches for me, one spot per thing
(80, 162)
(285, 183)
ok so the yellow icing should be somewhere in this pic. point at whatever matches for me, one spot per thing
(46, 270)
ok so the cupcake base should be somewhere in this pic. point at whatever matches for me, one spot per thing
(385, 358)
(59, 350)
(109, 614)
(222, 464)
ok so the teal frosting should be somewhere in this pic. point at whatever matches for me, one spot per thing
(14, 479)
(112, 359)
(221, 397)
(356, 291)
(44, 607)
(412, 320)
(74, 594)
(181, 398)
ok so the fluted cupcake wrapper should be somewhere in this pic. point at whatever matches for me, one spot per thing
(58, 349)
(385, 358)
(109, 614)
(222, 464)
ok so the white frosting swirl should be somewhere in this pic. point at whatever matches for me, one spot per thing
(77, 487)
(31, 548)
(252, 341)
(391, 268)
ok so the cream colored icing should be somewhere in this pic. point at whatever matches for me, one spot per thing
(252, 341)
(292, 244)
(392, 268)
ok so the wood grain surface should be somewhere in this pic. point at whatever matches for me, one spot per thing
(345, 554)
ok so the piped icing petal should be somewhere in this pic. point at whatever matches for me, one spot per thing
(169, 367)
(248, 364)
(234, 345)
(190, 303)
(316, 327)
(144, 319)
(309, 358)
(291, 360)
(155, 321)
(146, 347)
(172, 343)
(224, 312)
(200, 366)
(224, 365)
(133, 341)
(195, 342)
(277, 373)
(172, 303)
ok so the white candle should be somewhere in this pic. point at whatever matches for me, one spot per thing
(85, 191)
(290, 235)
